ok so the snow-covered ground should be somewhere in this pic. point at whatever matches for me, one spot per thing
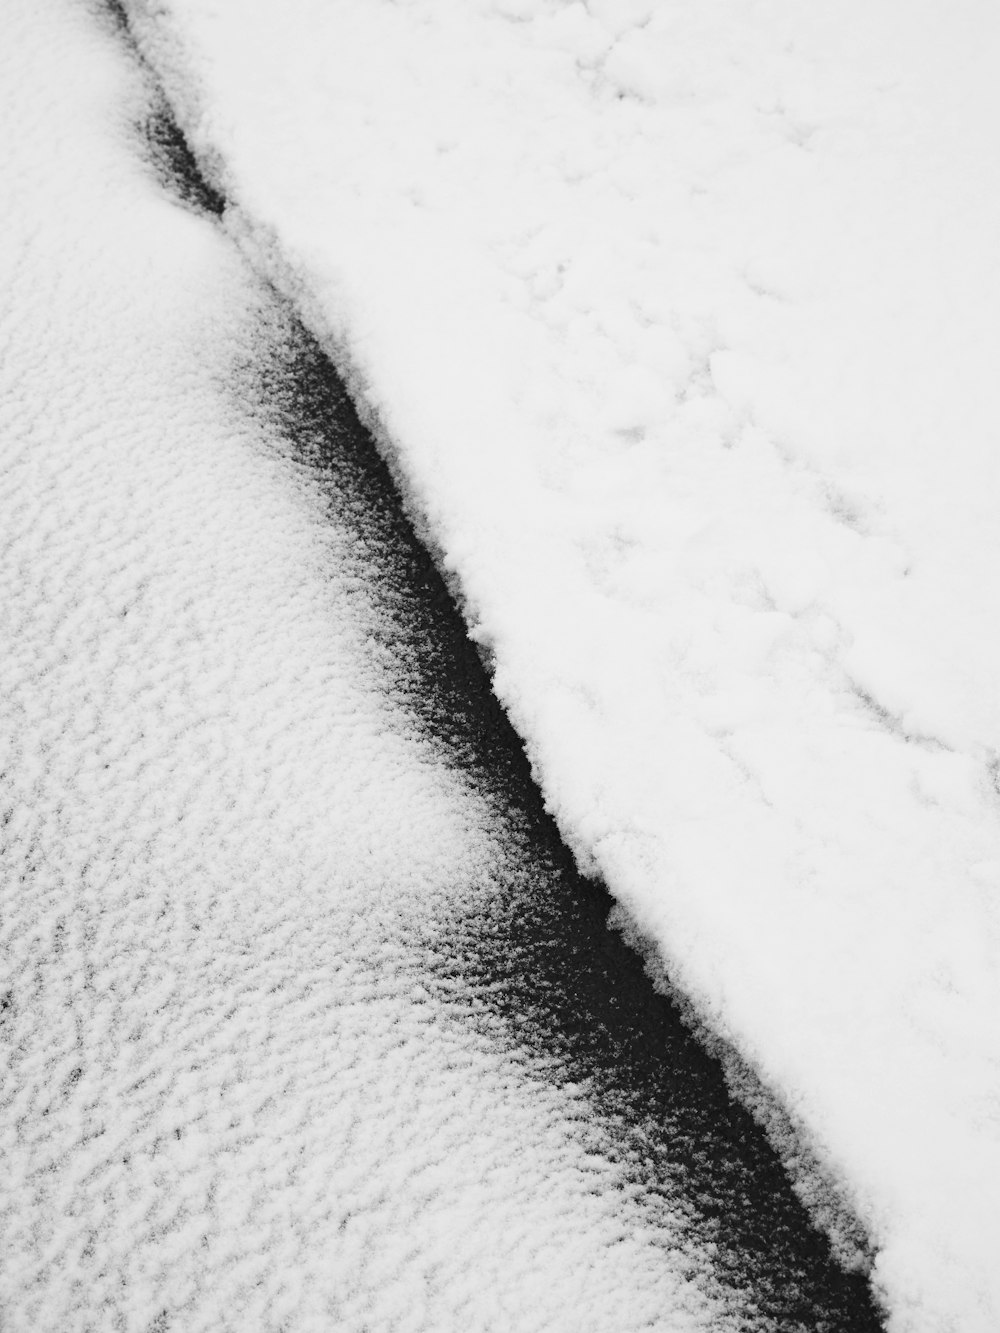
(680, 325)
(232, 1095)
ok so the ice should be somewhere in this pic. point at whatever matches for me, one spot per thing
(679, 326)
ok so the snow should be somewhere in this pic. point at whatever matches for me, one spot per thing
(232, 1096)
(678, 323)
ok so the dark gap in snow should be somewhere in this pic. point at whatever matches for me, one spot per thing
(116, 12)
(538, 968)
(165, 146)
(436, 669)
(175, 165)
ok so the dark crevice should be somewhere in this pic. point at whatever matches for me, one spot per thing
(537, 967)
(165, 146)
(174, 163)
(116, 12)
(436, 669)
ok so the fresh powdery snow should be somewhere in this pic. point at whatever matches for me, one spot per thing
(679, 322)
(230, 1098)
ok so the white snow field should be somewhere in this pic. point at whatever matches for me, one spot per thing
(228, 1101)
(680, 323)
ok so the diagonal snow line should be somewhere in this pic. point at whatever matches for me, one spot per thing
(535, 965)
(557, 295)
(814, 1181)
(254, 914)
(819, 1182)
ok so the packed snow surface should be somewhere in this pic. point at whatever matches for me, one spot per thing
(230, 1097)
(680, 322)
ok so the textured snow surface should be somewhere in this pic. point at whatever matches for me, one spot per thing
(228, 1099)
(681, 321)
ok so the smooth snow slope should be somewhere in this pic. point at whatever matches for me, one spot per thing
(681, 320)
(233, 1095)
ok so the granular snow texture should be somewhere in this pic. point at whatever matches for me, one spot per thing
(237, 1092)
(679, 325)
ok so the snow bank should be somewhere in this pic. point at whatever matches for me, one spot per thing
(681, 322)
(230, 1098)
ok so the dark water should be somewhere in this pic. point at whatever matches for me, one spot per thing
(540, 963)
(537, 967)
